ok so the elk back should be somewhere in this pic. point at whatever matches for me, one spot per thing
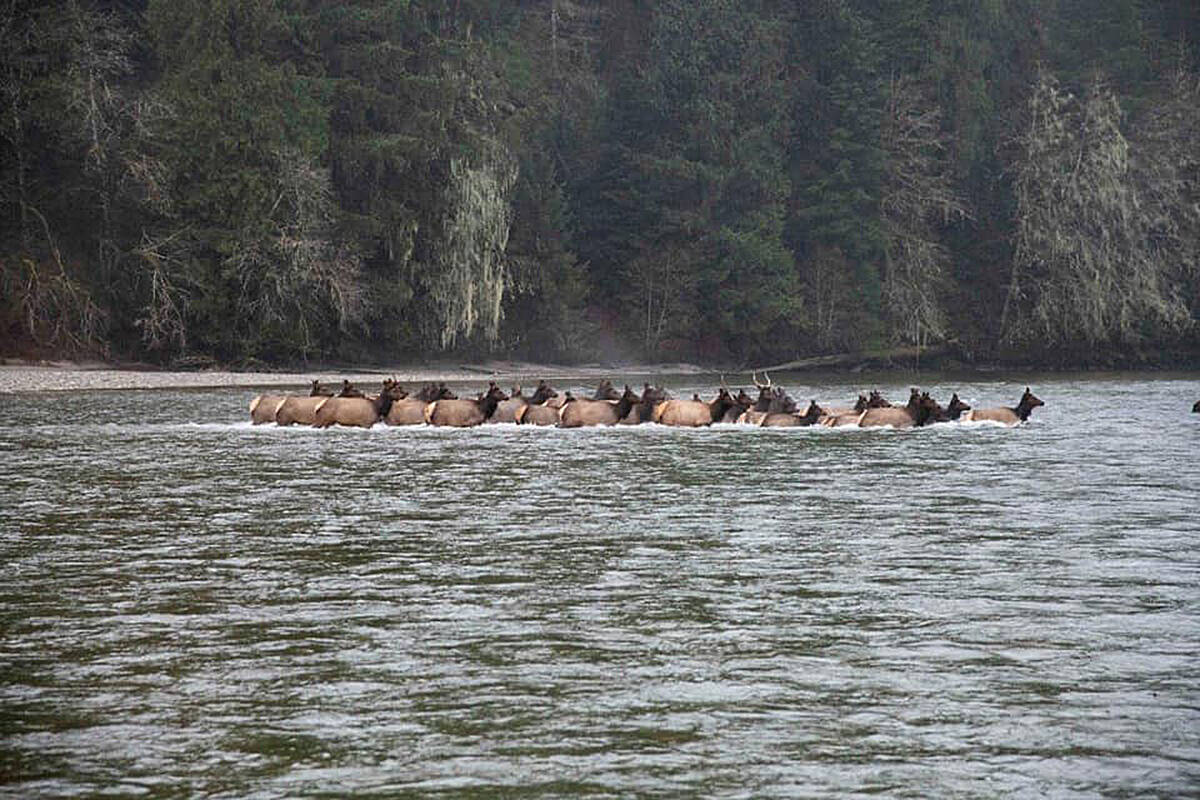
(684, 414)
(298, 410)
(1005, 416)
(506, 411)
(454, 413)
(886, 417)
(264, 406)
(354, 412)
(409, 411)
(582, 413)
(539, 415)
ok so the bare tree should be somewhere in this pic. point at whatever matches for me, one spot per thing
(917, 199)
(660, 283)
(58, 67)
(297, 277)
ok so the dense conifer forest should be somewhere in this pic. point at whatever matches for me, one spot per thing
(725, 181)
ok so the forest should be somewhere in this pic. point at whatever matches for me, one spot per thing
(731, 182)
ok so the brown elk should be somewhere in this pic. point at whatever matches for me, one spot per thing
(301, 410)
(694, 413)
(411, 410)
(264, 407)
(766, 393)
(652, 396)
(348, 390)
(507, 410)
(581, 413)
(544, 414)
(781, 405)
(741, 404)
(914, 413)
(357, 410)
(811, 416)
(465, 413)
(953, 411)
(1007, 416)
(837, 417)
(606, 391)
(877, 400)
(860, 405)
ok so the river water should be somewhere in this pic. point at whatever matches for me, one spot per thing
(196, 607)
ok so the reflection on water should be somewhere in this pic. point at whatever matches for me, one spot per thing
(192, 605)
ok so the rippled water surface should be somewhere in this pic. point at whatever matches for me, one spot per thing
(196, 607)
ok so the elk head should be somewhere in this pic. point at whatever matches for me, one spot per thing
(606, 391)
(348, 390)
(877, 400)
(543, 393)
(956, 407)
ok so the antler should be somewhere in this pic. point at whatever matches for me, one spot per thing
(757, 385)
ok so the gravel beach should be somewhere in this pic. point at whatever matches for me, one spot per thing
(61, 377)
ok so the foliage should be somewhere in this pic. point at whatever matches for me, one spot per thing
(724, 180)
(1086, 266)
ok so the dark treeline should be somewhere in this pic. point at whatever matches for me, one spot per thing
(730, 181)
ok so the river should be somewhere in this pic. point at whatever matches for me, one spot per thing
(196, 607)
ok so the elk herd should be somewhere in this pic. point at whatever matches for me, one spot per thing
(435, 404)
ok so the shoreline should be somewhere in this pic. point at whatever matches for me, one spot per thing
(65, 376)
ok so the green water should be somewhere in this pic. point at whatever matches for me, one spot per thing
(192, 606)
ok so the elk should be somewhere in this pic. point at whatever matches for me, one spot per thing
(264, 407)
(860, 405)
(357, 410)
(741, 404)
(292, 410)
(411, 410)
(839, 417)
(811, 416)
(1005, 415)
(652, 396)
(465, 413)
(507, 410)
(953, 411)
(348, 390)
(757, 412)
(694, 413)
(544, 414)
(906, 417)
(581, 413)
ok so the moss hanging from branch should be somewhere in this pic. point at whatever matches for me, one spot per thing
(468, 282)
(1085, 268)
